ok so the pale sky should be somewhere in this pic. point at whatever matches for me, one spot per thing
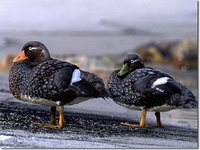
(86, 14)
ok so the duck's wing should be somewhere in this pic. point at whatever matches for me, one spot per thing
(158, 88)
(155, 83)
(84, 84)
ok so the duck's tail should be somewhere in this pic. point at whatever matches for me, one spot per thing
(94, 84)
(105, 95)
(189, 100)
(86, 89)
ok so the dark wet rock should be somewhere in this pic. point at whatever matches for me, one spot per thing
(85, 130)
(94, 125)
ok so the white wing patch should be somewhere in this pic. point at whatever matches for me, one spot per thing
(58, 103)
(160, 81)
(158, 89)
(76, 76)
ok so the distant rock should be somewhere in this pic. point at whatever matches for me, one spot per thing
(185, 55)
(8, 42)
(6, 62)
(181, 54)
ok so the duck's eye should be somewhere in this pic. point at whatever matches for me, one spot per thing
(132, 61)
(30, 48)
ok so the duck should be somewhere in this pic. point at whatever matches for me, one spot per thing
(147, 89)
(37, 78)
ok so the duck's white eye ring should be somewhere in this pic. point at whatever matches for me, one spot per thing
(30, 48)
(132, 61)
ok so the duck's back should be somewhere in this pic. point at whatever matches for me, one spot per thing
(148, 87)
(54, 81)
(45, 80)
(118, 85)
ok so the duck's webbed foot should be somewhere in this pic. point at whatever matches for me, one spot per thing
(142, 121)
(133, 125)
(53, 123)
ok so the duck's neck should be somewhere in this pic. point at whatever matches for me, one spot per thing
(140, 66)
(26, 65)
(132, 70)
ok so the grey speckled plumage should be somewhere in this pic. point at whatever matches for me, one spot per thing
(37, 78)
(147, 89)
(50, 80)
(135, 89)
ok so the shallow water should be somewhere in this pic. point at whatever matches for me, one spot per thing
(98, 43)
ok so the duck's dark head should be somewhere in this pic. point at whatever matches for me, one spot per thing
(34, 51)
(131, 63)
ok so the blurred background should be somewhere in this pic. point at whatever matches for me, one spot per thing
(96, 35)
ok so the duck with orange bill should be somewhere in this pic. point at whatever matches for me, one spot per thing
(37, 78)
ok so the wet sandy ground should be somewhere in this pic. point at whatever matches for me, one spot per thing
(91, 124)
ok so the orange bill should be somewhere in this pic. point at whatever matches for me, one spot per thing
(20, 57)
